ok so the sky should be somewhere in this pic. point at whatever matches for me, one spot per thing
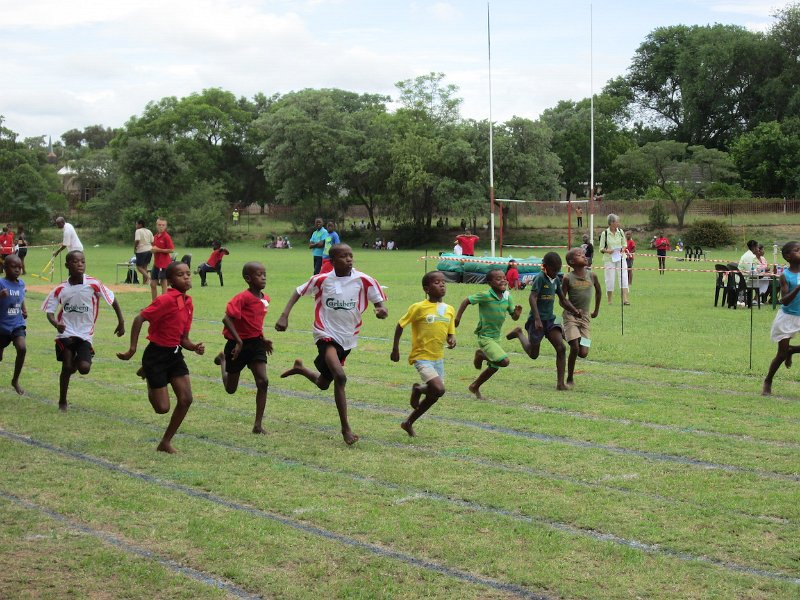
(67, 65)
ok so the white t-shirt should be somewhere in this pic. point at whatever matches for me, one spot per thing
(144, 237)
(79, 306)
(458, 250)
(339, 303)
(71, 240)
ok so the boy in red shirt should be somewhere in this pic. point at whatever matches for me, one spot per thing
(6, 245)
(162, 257)
(170, 317)
(467, 241)
(246, 346)
(512, 276)
(212, 264)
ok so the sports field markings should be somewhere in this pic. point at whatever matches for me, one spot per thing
(129, 548)
(414, 494)
(289, 461)
(376, 550)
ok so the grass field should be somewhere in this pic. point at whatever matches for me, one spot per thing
(663, 474)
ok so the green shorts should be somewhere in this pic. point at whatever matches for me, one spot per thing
(493, 350)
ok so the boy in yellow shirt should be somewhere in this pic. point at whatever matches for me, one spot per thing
(432, 324)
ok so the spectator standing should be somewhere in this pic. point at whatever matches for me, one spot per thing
(612, 246)
(22, 246)
(317, 244)
(331, 239)
(162, 248)
(630, 249)
(70, 239)
(235, 216)
(6, 245)
(467, 241)
(143, 249)
(588, 249)
(579, 215)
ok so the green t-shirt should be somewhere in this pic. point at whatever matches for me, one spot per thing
(492, 311)
(546, 291)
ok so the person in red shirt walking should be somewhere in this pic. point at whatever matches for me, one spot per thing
(467, 242)
(170, 318)
(246, 346)
(162, 257)
(212, 265)
(6, 245)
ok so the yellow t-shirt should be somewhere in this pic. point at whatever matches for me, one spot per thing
(431, 323)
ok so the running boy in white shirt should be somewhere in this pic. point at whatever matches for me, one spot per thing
(341, 297)
(79, 300)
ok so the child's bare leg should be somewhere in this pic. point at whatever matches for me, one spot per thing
(557, 340)
(153, 288)
(416, 391)
(183, 400)
(229, 380)
(519, 333)
(67, 369)
(475, 386)
(780, 358)
(259, 370)
(434, 390)
(792, 350)
(339, 395)
(21, 348)
(574, 346)
(300, 369)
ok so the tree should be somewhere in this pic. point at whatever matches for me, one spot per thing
(428, 96)
(768, 158)
(681, 172)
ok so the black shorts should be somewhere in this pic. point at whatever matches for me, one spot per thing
(22, 252)
(253, 350)
(143, 258)
(158, 274)
(161, 364)
(320, 363)
(81, 349)
(661, 252)
(536, 337)
(7, 338)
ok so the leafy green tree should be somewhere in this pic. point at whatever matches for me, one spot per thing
(681, 172)
(428, 95)
(768, 158)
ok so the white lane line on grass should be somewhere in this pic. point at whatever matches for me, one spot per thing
(380, 551)
(128, 548)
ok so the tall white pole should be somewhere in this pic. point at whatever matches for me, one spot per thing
(591, 142)
(491, 132)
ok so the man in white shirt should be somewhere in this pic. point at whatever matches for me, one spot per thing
(70, 240)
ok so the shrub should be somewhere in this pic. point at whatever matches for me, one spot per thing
(658, 216)
(709, 233)
(208, 221)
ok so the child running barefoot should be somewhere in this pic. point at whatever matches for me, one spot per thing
(79, 299)
(545, 287)
(13, 315)
(246, 346)
(493, 305)
(787, 320)
(578, 286)
(170, 318)
(341, 297)
(432, 325)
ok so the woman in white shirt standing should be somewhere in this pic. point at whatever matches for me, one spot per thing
(612, 245)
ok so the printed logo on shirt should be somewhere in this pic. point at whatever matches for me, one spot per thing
(76, 308)
(436, 318)
(340, 304)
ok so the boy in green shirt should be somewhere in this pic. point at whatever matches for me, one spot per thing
(545, 287)
(493, 306)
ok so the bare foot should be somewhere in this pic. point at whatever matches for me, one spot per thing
(514, 333)
(350, 438)
(475, 390)
(17, 388)
(63, 406)
(297, 369)
(415, 394)
(219, 358)
(767, 389)
(408, 428)
(561, 387)
(140, 372)
(788, 361)
(259, 429)
(569, 383)
(166, 447)
(478, 360)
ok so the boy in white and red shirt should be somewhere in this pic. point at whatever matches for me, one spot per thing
(170, 318)
(340, 298)
(246, 346)
(79, 300)
(162, 256)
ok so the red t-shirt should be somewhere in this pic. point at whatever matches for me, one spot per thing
(512, 276)
(631, 247)
(247, 313)
(662, 243)
(467, 243)
(170, 318)
(161, 260)
(215, 258)
(7, 243)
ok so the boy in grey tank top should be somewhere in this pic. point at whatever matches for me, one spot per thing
(578, 286)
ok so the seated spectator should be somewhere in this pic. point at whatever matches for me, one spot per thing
(390, 245)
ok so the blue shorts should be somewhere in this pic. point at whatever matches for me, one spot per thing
(536, 337)
(430, 369)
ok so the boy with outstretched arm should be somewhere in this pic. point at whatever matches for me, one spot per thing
(432, 325)
(493, 306)
(577, 286)
(170, 318)
(246, 346)
(787, 320)
(541, 323)
(13, 315)
(341, 297)
(79, 300)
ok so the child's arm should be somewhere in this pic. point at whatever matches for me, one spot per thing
(24, 310)
(598, 294)
(120, 330)
(198, 348)
(395, 355)
(566, 304)
(461, 308)
(228, 322)
(786, 296)
(381, 311)
(60, 327)
(517, 312)
(532, 300)
(283, 320)
(135, 329)
(451, 340)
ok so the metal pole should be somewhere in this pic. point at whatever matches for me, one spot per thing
(491, 131)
